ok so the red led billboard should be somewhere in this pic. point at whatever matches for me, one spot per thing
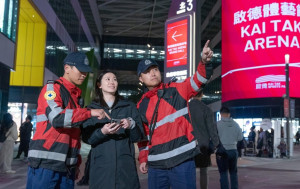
(256, 35)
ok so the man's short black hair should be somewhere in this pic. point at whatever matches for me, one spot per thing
(199, 94)
(29, 117)
(224, 110)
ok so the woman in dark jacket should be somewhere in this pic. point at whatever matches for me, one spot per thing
(113, 155)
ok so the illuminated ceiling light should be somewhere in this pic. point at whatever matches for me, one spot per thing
(50, 47)
(153, 52)
(129, 51)
(140, 51)
(117, 50)
(162, 52)
(153, 48)
(62, 48)
(148, 45)
(86, 48)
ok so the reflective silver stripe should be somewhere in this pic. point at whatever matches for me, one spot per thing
(172, 117)
(172, 153)
(143, 148)
(200, 78)
(68, 118)
(55, 110)
(47, 155)
(41, 118)
(50, 87)
(193, 84)
(71, 161)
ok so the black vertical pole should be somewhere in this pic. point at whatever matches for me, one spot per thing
(287, 92)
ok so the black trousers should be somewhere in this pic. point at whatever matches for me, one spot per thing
(24, 146)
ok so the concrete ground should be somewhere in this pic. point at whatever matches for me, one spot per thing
(253, 172)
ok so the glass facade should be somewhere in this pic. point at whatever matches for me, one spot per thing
(8, 18)
(19, 111)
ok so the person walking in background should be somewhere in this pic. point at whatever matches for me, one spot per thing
(230, 133)
(25, 136)
(54, 148)
(252, 138)
(240, 146)
(282, 148)
(205, 130)
(297, 136)
(167, 155)
(113, 154)
(9, 130)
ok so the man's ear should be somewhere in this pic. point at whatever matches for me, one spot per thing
(67, 68)
(141, 80)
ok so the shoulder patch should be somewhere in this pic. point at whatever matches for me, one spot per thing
(49, 95)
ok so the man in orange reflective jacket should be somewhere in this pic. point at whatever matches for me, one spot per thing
(54, 149)
(168, 153)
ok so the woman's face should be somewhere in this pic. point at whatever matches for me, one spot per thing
(109, 83)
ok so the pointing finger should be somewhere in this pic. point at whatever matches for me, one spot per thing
(206, 44)
(106, 115)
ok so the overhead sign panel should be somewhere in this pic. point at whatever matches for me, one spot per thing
(178, 43)
(255, 37)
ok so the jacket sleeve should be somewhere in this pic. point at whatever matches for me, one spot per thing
(59, 117)
(91, 131)
(143, 146)
(136, 130)
(212, 128)
(190, 86)
(97, 137)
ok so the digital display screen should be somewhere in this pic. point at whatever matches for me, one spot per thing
(177, 41)
(256, 36)
(178, 47)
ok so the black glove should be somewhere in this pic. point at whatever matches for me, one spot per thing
(221, 151)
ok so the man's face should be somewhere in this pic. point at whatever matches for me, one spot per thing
(74, 75)
(225, 115)
(151, 77)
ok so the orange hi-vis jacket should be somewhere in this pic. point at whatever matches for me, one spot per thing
(56, 142)
(172, 141)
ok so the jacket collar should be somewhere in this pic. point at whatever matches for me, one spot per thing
(70, 86)
(153, 92)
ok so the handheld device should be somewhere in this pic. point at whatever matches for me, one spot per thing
(118, 121)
